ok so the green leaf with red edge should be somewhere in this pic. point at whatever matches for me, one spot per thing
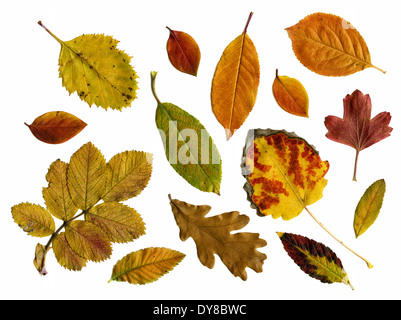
(314, 258)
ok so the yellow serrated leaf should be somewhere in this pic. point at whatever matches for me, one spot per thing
(65, 256)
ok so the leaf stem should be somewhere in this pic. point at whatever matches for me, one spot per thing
(247, 23)
(370, 266)
(152, 84)
(355, 165)
(53, 35)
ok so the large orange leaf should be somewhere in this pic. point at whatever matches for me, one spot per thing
(235, 83)
(329, 45)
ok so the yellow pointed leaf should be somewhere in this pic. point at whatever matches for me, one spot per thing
(85, 176)
(329, 45)
(97, 71)
(56, 195)
(146, 265)
(65, 256)
(235, 83)
(368, 207)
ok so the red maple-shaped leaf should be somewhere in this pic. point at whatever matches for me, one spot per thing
(357, 129)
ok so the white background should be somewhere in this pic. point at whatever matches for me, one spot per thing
(30, 87)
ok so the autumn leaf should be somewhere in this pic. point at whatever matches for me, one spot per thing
(56, 127)
(284, 174)
(368, 207)
(93, 67)
(212, 235)
(235, 83)
(40, 258)
(314, 258)
(146, 265)
(65, 255)
(188, 146)
(356, 129)
(183, 52)
(329, 45)
(291, 95)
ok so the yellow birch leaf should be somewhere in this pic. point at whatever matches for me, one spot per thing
(65, 256)
(329, 45)
(368, 207)
(97, 71)
(235, 83)
(146, 265)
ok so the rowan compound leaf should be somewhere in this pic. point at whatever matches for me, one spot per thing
(65, 256)
(127, 174)
(183, 52)
(291, 95)
(93, 67)
(368, 207)
(88, 240)
(314, 258)
(284, 173)
(56, 127)
(235, 83)
(56, 195)
(356, 129)
(86, 176)
(120, 222)
(212, 235)
(188, 146)
(329, 45)
(40, 258)
(33, 219)
(146, 265)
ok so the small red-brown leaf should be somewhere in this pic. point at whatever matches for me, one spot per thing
(183, 52)
(56, 127)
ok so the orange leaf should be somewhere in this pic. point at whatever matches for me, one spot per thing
(291, 95)
(56, 127)
(329, 45)
(183, 52)
(235, 83)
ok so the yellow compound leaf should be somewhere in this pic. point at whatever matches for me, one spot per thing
(329, 45)
(97, 71)
(65, 256)
(291, 95)
(146, 265)
(235, 83)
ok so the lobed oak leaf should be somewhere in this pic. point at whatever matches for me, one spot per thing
(356, 129)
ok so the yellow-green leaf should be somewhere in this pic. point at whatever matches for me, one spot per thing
(57, 198)
(65, 256)
(121, 223)
(127, 174)
(369, 207)
(97, 71)
(33, 219)
(85, 176)
(146, 265)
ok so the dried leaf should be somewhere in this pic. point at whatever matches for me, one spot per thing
(183, 52)
(56, 195)
(188, 146)
(146, 265)
(291, 95)
(101, 74)
(357, 129)
(33, 219)
(235, 83)
(127, 174)
(314, 258)
(56, 127)
(329, 45)
(369, 207)
(40, 258)
(88, 240)
(213, 235)
(85, 176)
(121, 223)
(65, 256)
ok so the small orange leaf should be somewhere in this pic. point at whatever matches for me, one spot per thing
(291, 95)
(56, 127)
(183, 52)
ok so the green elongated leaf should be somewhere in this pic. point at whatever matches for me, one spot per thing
(369, 207)
(146, 265)
(65, 256)
(33, 219)
(314, 258)
(121, 223)
(189, 148)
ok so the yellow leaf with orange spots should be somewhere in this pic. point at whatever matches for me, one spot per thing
(284, 173)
